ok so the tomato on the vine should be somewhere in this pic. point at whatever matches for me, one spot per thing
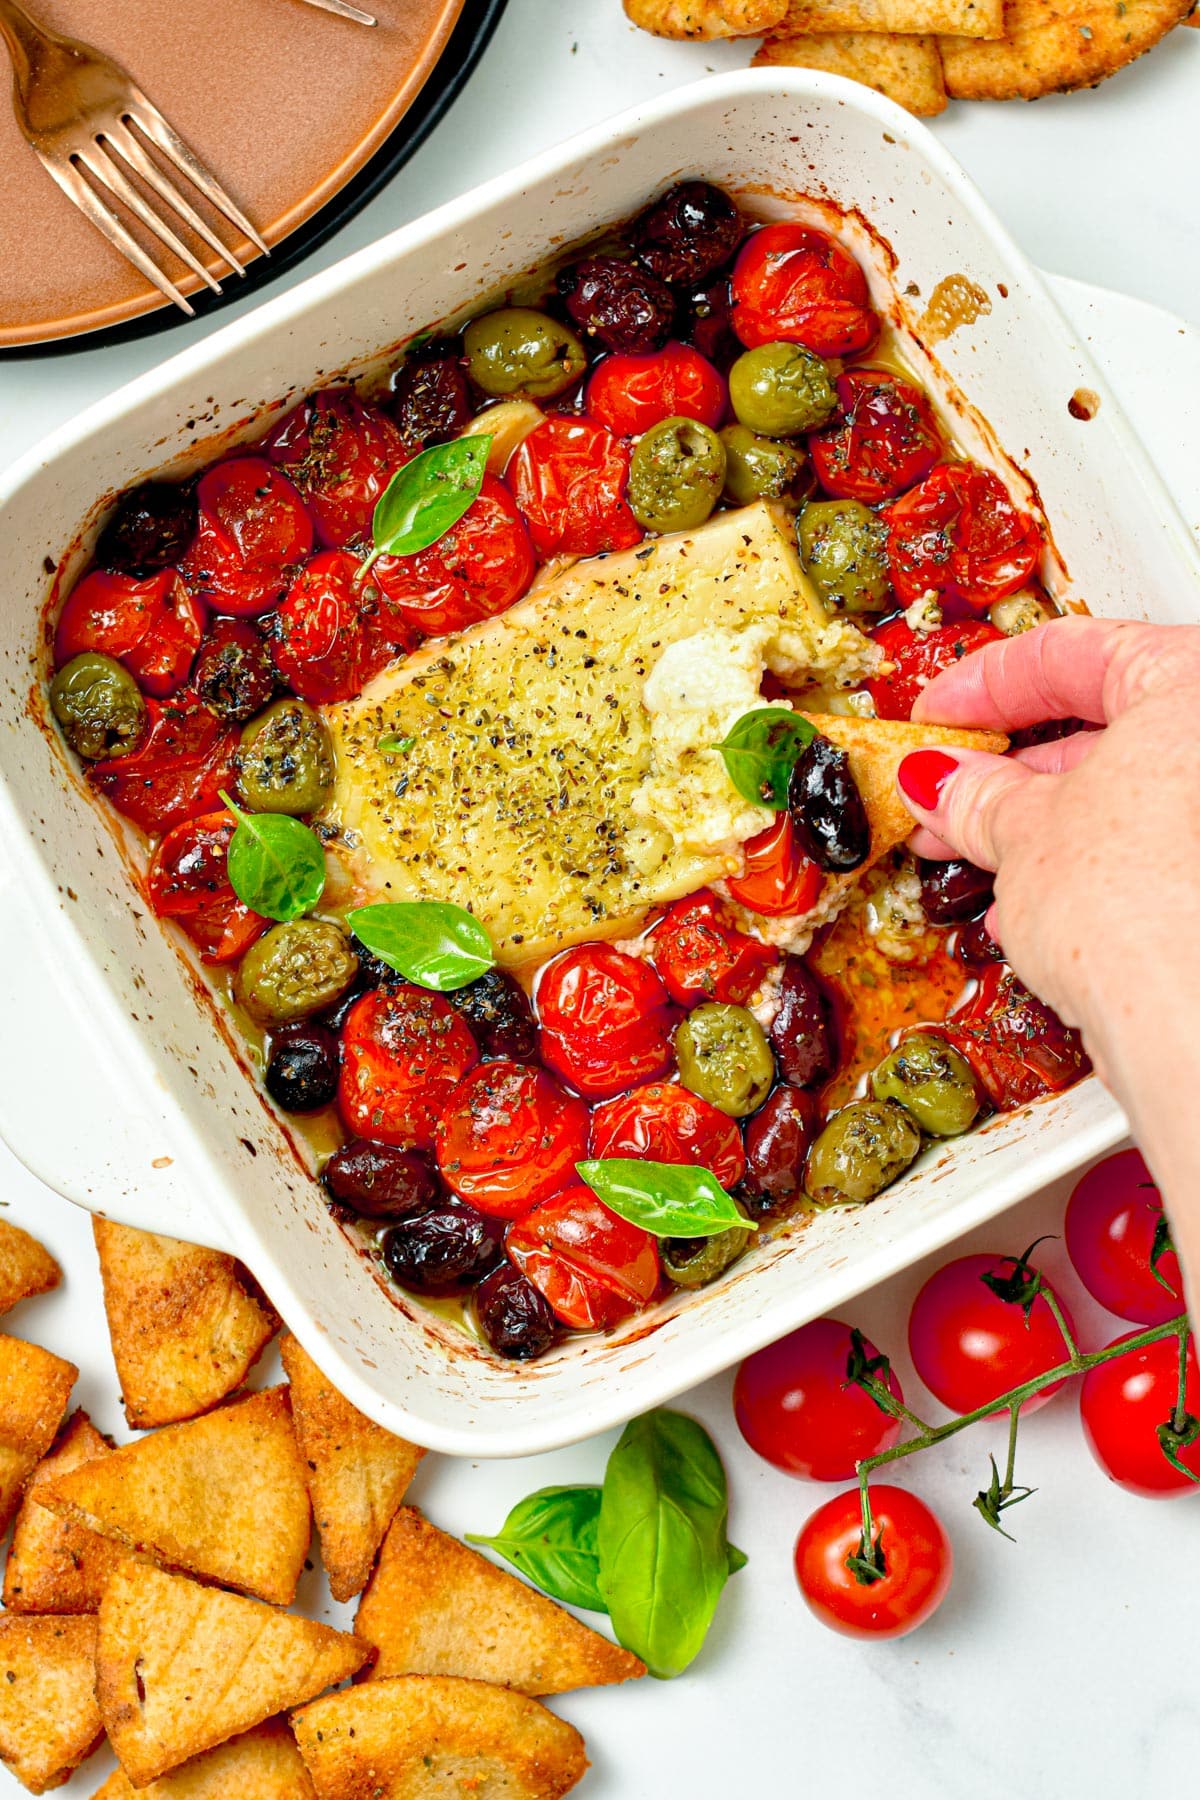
(794, 284)
(907, 1537)
(920, 655)
(404, 1051)
(1117, 1238)
(151, 624)
(475, 570)
(884, 438)
(797, 1406)
(969, 1345)
(1018, 1047)
(701, 954)
(179, 769)
(569, 477)
(629, 393)
(593, 1268)
(188, 881)
(341, 453)
(328, 645)
(1123, 1403)
(777, 878)
(668, 1124)
(509, 1137)
(254, 531)
(959, 534)
(606, 1020)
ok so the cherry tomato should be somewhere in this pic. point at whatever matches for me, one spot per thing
(1122, 1404)
(968, 1345)
(606, 1020)
(1018, 1047)
(701, 955)
(510, 1137)
(591, 1266)
(328, 646)
(1114, 1218)
(341, 454)
(185, 759)
(796, 1406)
(776, 877)
(796, 285)
(150, 625)
(569, 477)
(188, 881)
(404, 1051)
(918, 1562)
(476, 570)
(667, 1124)
(960, 535)
(253, 534)
(630, 393)
(919, 656)
(885, 438)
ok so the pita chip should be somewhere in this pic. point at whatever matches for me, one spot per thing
(1052, 46)
(34, 1389)
(907, 70)
(705, 19)
(49, 1721)
(54, 1565)
(908, 18)
(26, 1267)
(263, 1764)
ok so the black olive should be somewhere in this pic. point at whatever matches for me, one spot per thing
(373, 972)
(443, 1250)
(618, 303)
(513, 1316)
(803, 1034)
(152, 528)
(302, 1067)
(431, 396)
(381, 1181)
(709, 311)
(828, 816)
(955, 890)
(689, 233)
(777, 1140)
(234, 675)
(499, 1014)
(977, 947)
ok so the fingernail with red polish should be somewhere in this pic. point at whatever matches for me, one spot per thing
(922, 776)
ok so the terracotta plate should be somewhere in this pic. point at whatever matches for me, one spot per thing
(287, 105)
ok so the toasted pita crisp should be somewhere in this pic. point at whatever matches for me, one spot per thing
(263, 1764)
(1051, 46)
(706, 18)
(357, 1473)
(907, 70)
(183, 1326)
(436, 1607)
(222, 1497)
(55, 1566)
(26, 1267)
(34, 1389)
(49, 1721)
(908, 18)
(181, 1668)
(433, 1737)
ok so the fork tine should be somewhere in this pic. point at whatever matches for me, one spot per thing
(126, 144)
(77, 190)
(148, 119)
(94, 158)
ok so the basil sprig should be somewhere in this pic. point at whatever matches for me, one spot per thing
(762, 750)
(276, 865)
(669, 1199)
(551, 1537)
(427, 496)
(432, 942)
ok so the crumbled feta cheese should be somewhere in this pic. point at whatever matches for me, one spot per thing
(925, 614)
(894, 915)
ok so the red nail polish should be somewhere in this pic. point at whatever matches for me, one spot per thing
(923, 774)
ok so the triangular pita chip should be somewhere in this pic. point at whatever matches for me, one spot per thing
(54, 1565)
(181, 1668)
(436, 1607)
(705, 18)
(222, 1497)
(49, 1721)
(357, 1472)
(34, 1389)
(1050, 46)
(434, 1737)
(907, 70)
(184, 1327)
(26, 1267)
(263, 1764)
(907, 18)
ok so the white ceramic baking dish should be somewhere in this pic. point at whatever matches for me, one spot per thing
(119, 1087)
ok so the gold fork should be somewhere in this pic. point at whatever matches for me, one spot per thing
(345, 11)
(81, 112)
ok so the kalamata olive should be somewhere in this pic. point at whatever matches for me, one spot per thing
(514, 1318)
(447, 1248)
(724, 1057)
(803, 1033)
(860, 1152)
(1049, 731)
(294, 970)
(380, 1181)
(676, 475)
(373, 972)
(431, 396)
(152, 528)
(759, 468)
(955, 890)
(976, 946)
(694, 1262)
(496, 1008)
(285, 759)
(517, 352)
(302, 1067)
(99, 706)
(776, 1141)
(844, 548)
(932, 1081)
(234, 675)
(828, 816)
(622, 306)
(781, 389)
(709, 312)
(689, 233)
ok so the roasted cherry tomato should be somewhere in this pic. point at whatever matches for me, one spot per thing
(919, 656)
(1019, 1048)
(968, 1345)
(1122, 1404)
(629, 394)
(776, 877)
(329, 646)
(884, 439)
(477, 569)
(188, 881)
(917, 1558)
(606, 1020)
(665, 1123)
(593, 1267)
(701, 954)
(254, 533)
(185, 760)
(959, 535)
(569, 477)
(796, 285)
(404, 1051)
(151, 625)
(341, 454)
(509, 1137)
(1117, 1239)
(796, 1405)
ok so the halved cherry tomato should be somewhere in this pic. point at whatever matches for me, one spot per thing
(796, 1406)
(1018, 1046)
(510, 1137)
(917, 1556)
(794, 284)
(969, 1346)
(253, 534)
(188, 881)
(329, 646)
(150, 624)
(919, 656)
(606, 1020)
(630, 393)
(1114, 1223)
(404, 1051)
(885, 438)
(593, 1267)
(475, 571)
(185, 760)
(960, 535)
(569, 477)
(776, 877)
(664, 1123)
(1122, 1404)
(341, 454)
(701, 954)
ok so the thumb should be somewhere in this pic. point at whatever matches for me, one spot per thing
(967, 798)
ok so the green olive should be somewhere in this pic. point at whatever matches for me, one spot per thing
(780, 389)
(932, 1081)
(285, 760)
(676, 475)
(759, 468)
(99, 706)
(518, 352)
(694, 1262)
(295, 970)
(844, 548)
(860, 1152)
(724, 1057)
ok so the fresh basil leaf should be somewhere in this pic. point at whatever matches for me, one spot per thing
(429, 495)
(737, 1558)
(669, 1199)
(392, 744)
(550, 1536)
(276, 865)
(762, 750)
(432, 942)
